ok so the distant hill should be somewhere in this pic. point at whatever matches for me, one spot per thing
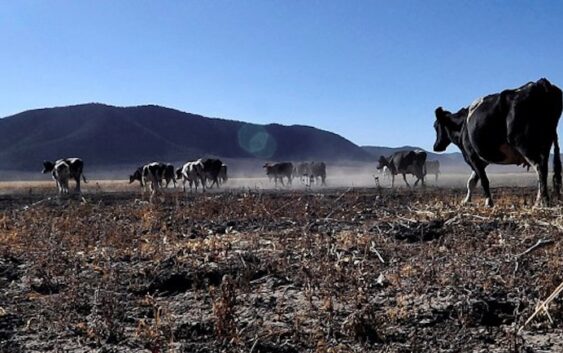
(106, 136)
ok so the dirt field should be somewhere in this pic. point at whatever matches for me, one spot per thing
(337, 269)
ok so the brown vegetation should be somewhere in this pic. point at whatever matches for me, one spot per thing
(286, 271)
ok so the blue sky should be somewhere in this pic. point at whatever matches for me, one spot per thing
(372, 71)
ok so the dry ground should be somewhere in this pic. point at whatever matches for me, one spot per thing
(252, 270)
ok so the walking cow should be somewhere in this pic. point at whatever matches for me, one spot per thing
(193, 173)
(515, 126)
(212, 169)
(279, 171)
(167, 175)
(405, 162)
(75, 170)
(432, 167)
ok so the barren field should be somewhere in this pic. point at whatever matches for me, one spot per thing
(333, 269)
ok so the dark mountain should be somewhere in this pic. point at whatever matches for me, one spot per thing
(108, 136)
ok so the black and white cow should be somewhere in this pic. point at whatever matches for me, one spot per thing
(212, 168)
(193, 173)
(75, 166)
(303, 172)
(515, 126)
(279, 171)
(168, 175)
(152, 175)
(61, 174)
(433, 167)
(405, 162)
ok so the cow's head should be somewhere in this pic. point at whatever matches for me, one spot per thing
(179, 173)
(47, 167)
(382, 162)
(441, 124)
(136, 176)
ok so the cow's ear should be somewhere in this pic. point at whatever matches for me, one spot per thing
(441, 115)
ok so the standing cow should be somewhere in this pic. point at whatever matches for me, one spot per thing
(432, 167)
(61, 174)
(405, 162)
(75, 169)
(279, 171)
(318, 171)
(193, 173)
(212, 168)
(303, 172)
(167, 175)
(515, 126)
(152, 176)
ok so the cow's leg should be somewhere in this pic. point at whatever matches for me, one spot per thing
(471, 183)
(405, 179)
(541, 167)
(480, 171)
(77, 184)
(203, 180)
(392, 181)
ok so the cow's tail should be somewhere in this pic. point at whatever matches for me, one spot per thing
(556, 166)
(84, 179)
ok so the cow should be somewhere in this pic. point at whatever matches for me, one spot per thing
(404, 162)
(193, 173)
(152, 175)
(61, 174)
(318, 171)
(223, 176)
(432, 167)
(516, 126)
(303, 172)
(212, 168)
(167, 175)
(279, 171)
(75, 166)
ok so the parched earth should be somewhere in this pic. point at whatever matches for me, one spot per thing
(338, 270)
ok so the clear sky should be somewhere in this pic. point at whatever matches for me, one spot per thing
(372, 71)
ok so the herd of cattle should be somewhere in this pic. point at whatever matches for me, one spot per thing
(213, 172)
(203, 172)
(516, 126)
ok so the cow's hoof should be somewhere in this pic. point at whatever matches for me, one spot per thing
(489, 202)
(465, 201)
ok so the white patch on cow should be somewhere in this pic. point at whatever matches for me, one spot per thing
(61, 174)
(474, 106)
(193, 173)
